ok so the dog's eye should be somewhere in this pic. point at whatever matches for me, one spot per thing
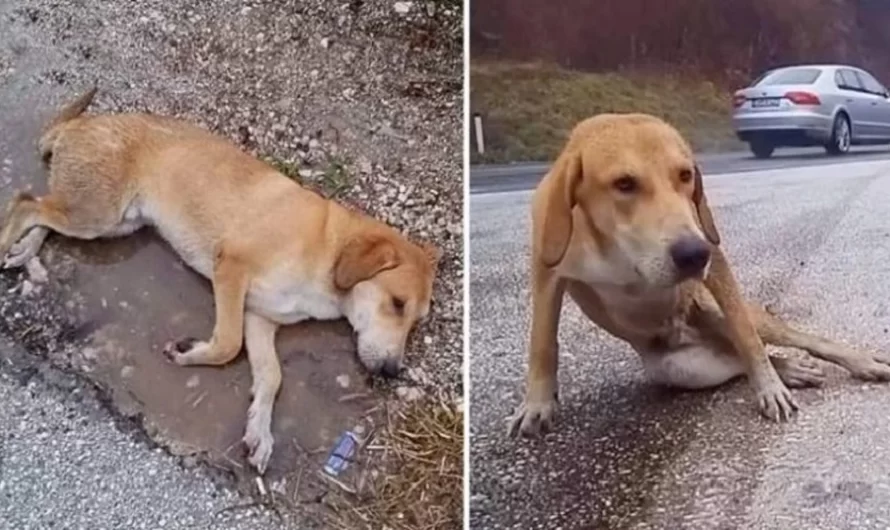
(626, 184)
(398, 304)
(685, 175)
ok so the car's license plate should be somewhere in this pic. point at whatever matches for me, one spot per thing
(765, 103)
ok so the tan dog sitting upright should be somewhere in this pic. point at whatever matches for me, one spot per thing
(621, 224)
(275, 252)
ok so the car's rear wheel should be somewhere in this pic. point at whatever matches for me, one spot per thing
(841, 136)
(762, 148)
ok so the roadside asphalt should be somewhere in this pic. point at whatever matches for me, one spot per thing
(67, 463)
(811, 241)
(524, 176)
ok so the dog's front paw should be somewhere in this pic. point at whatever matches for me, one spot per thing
(872, 368)
(259, 442)
(533, 417)
(798, 372)
(176, 351)
(774, 399)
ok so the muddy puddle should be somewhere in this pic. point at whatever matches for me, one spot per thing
(132, 295)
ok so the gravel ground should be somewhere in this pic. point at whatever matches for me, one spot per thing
(359, 100)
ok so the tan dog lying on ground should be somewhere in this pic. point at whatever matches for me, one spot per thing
(275, 252)
(621, 224)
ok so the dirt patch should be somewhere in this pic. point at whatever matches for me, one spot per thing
(528, 109)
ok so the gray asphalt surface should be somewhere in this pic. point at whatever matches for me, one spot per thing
(66, 464)
(814, 243)
(525, 176)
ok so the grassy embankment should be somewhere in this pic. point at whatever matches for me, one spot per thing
(528, 109)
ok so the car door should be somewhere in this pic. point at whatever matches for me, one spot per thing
(878, 104)
(857, 102)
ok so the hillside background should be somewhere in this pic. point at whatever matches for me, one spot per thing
(539, 66)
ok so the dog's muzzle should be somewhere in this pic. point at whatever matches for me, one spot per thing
(690, 255)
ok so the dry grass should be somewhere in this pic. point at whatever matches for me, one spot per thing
(421, 488)
(528, 109)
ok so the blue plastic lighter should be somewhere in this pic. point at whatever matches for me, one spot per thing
(341, 454)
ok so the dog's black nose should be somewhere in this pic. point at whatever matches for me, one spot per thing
(391, 369)
(690, 255)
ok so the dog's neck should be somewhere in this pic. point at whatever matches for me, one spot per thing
(646, 314)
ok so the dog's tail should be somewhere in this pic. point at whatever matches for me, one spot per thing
(68, 113)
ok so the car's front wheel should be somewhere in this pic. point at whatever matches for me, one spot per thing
(841, 136)
(762, 149)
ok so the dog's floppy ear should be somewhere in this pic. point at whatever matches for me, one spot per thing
(705, 218)
(363, 258)
(556, 229)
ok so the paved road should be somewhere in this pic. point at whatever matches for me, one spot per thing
(815, 243)
(524, 176)
(66, 464)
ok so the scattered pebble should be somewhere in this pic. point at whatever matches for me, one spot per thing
(36, 271)
(402, 8)
(193, 381)
(409, 393)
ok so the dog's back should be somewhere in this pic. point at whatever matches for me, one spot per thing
(114, 173)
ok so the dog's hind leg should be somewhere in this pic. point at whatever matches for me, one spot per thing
(230, 280)
(41, 214)
(699, 367)
(861, 364)
(22, 215)
(266, 373)
(26, 248)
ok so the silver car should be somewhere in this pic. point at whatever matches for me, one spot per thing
(834, 106)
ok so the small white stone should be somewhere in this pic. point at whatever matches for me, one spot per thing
(409, 393)
(343, 380)
(325, 42)
(402, 8)
(89, 353)
(193, 381)
(36, 271)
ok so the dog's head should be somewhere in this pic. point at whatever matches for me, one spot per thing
(632, 183)
(388, 282)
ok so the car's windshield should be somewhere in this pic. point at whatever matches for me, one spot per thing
(789, 76)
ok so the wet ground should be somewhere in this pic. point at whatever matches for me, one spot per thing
(122, 300)
(813, 243)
